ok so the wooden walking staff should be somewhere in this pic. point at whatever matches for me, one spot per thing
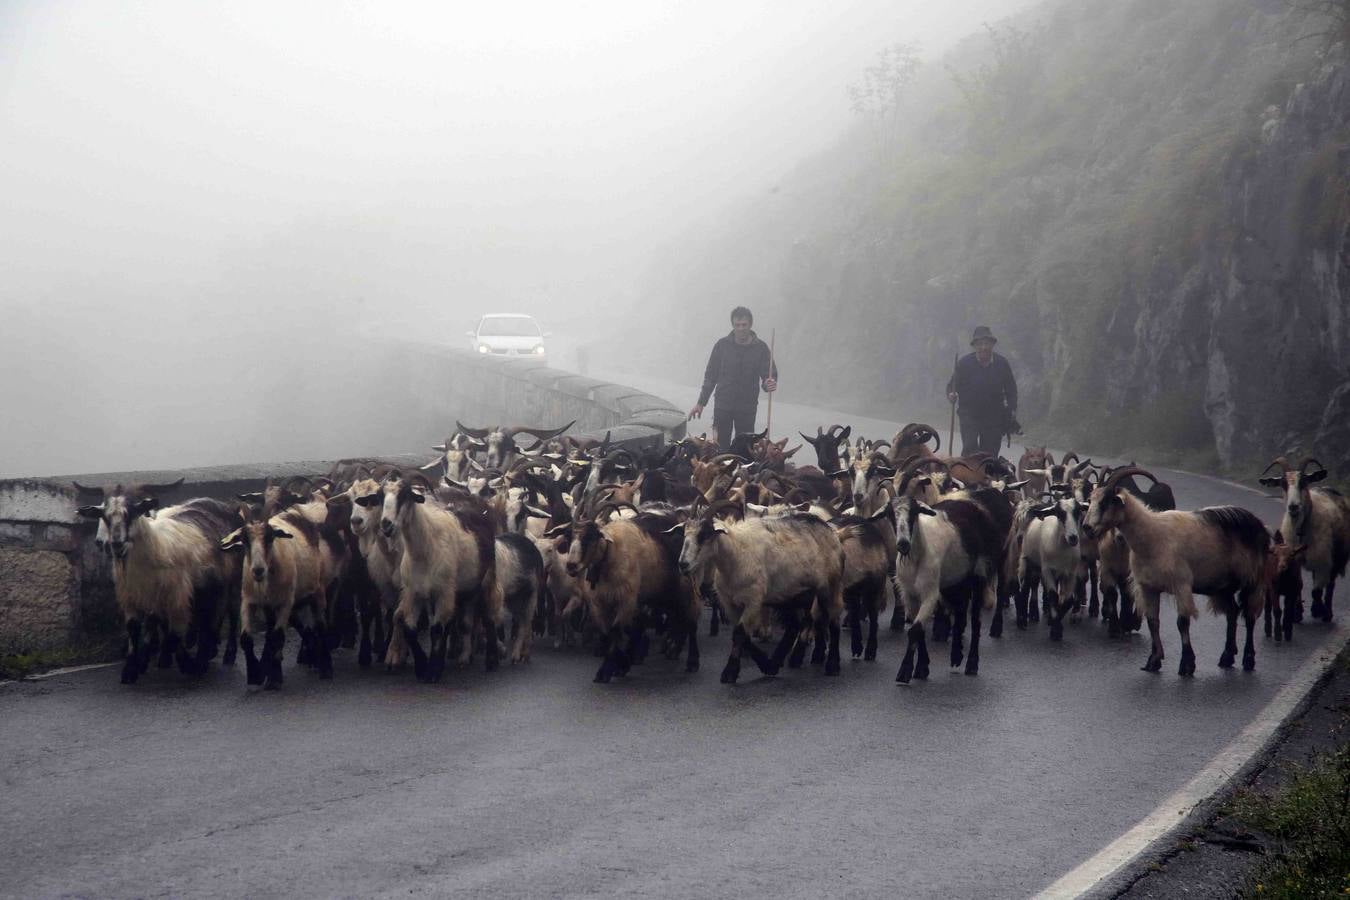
(951, 431)
(768, 423)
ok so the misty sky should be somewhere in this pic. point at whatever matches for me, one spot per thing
(168, 164)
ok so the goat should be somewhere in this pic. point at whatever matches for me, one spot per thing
(1030, 466)
(911, 441)
(1318, 518)
(501, 442)
(629, 570)
(948, 553)
(1217, 551)
(868, 543)
(282, 582)
(520, 580)
(377, 577)
(793, 565)
(456, 459)
(1284, 582)
(168, 574)
(447, 564)
(1052, 553)
(826, 445)
(1113, 564)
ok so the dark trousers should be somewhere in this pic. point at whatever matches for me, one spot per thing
(981, 435)
(724, 420)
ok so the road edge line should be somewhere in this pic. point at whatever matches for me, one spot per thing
(1114, 868)
(68, 670)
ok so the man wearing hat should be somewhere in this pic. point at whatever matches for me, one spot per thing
(983, 383)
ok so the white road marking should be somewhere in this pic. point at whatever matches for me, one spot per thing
(69, 670)
(1217, 774)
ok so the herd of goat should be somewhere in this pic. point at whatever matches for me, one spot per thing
(580, 541)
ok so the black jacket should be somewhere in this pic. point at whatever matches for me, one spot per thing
(985, 391)
(736, 371)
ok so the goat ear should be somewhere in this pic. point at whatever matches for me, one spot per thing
(233, 541)
(429, 466)
(534, 512)
(370, 500)
(926, 510)
(440, 448)
(90, 512)
(842, 473)
(1271, 481)
(678, 526)
(279, 534)
(1278, 537)
(718, 527)
(1315, 476)
(252, 497)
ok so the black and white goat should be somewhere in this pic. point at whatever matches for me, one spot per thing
(948, 554)
(1317, 518)
(1052, 552)
(501, 444)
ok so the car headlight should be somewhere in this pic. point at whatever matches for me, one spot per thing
(482, 348)
(539, 350)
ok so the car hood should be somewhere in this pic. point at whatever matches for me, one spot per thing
(511, 342)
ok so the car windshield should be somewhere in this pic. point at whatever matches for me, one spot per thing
(508, 327)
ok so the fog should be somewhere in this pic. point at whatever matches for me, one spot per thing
(192, 192)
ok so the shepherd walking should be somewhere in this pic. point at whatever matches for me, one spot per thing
(738, 367)
(983, 383)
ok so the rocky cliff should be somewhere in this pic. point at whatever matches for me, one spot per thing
(1148, 201)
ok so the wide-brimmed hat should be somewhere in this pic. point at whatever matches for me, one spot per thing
(982, 333)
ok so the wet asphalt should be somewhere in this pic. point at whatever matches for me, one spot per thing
(532, 781)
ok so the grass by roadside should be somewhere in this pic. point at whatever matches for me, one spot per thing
(22, 665)
(1307, 821)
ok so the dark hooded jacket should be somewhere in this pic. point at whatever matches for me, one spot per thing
(736, 370)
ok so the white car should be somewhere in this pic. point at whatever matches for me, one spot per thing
(509, 334)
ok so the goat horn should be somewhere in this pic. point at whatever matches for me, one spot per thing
(152, 489)
(89, 490)
(479, 433)
(1081, 466)
(1303, 466)
(1113, 480)
(1065, 460)
(543, 434)
(1277, 461)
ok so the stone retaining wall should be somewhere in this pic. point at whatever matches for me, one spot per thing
(55, 589)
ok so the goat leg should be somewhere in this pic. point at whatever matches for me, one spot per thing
(957, 635)
(1230, 638)
(973, 657)
(1331, 592)
(732, 670)
(1020, 601)
(131, 668)
(1292, 601)
(1248, 649)
(873, 615)
(832, 654)
(1093, 600)
(766, 665)
(791, 626)
(691, 661)
(491, 655)
(1057, 613)
(1187, 667)
(1155, 656)
(1317, 609)
(855, 625)
(420, 668)
(907, 664)
(921, 667)
(232, 636)
(273, 648)
(996, 623)
(252, 669)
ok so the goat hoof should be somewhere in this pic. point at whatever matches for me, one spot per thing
(996, 630)
(1226, 661)
(870, 655)
(972, 666)
(903, 677)
(1248, 662)
(691, 666)
(730, 674)
(1154, 664)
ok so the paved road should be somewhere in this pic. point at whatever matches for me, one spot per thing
(534, 781)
